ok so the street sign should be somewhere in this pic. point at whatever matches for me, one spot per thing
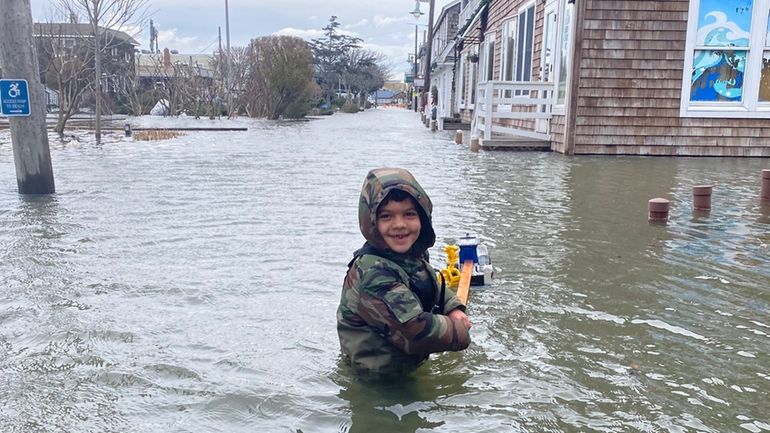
(409, 79)
(419, 82)
(14, 97)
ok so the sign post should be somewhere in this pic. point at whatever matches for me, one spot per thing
(21, 99)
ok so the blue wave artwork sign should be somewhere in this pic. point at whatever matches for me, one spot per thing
(14, 97)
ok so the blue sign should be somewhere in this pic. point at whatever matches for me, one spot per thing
(14, 97)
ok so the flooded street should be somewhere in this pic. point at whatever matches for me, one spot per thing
(191, 285)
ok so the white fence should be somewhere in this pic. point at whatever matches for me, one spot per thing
(529, 102)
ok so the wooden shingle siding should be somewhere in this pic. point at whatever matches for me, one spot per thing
(557, 133)
(630, 85)
(634, 5)
(635, 44)
(633, 35)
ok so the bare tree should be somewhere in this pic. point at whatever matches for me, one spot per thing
(105, 16)
(239, 58)
(135, 96)
(65, 63)
(365, 72)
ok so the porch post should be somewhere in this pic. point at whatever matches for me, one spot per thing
(488, 111)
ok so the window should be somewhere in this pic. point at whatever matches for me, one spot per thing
(549, 40)
(488, 62)
(508, 50)
(524, 43)
(460, 88)
(565, 41)
(473, 74)
(727, 62)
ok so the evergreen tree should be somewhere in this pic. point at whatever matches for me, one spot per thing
(331, 55)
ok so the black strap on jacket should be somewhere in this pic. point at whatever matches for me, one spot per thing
(439, 309)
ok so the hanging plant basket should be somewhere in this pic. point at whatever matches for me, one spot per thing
(474, 58)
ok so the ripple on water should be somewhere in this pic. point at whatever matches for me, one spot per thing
(191, 285)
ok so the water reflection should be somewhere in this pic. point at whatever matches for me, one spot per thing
(400, 403)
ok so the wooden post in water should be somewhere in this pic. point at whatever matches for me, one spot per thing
(475, 144)
(658, 210)
(701, 197)
(764, 193)
(463, 288)
(18, 59)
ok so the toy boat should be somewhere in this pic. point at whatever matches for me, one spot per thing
(469, 249)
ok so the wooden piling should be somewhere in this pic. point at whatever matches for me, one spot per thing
(701, 197)
(765, 191)
(475, 146)
(658, 210)
(459, 137)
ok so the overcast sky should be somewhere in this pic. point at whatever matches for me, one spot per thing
(191, 26)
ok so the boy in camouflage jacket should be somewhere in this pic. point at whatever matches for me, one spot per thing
(392, 312)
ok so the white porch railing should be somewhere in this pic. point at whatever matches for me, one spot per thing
(526, 103)
(467, 12)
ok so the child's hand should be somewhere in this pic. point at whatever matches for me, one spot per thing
(458, 314)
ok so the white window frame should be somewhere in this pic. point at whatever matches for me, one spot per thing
(473, 80)
(522, 23)
(488, 51)
(460, 90)
(750, 106)
(509, 27)
(563, 43)
(551, 8)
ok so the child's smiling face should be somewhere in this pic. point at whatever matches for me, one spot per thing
(399, 224)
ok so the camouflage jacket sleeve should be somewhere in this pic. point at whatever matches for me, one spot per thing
(452, 302)
(388, 305)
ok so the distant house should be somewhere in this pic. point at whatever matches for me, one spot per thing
(155, 70)
(54, 40)
(612, 77)
(382, 97)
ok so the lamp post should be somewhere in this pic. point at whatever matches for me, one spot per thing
(428, 60)
(417, 13)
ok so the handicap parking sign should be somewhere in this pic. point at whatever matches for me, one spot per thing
(14, 97)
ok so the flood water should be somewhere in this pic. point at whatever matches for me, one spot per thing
(191, 285)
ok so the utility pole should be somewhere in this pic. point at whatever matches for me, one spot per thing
(98, 83)
(229, 63)
(414, 76)
(18, 59)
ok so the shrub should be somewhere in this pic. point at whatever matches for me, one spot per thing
(350, 107)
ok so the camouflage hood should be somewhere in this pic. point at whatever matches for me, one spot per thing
(379, 182)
